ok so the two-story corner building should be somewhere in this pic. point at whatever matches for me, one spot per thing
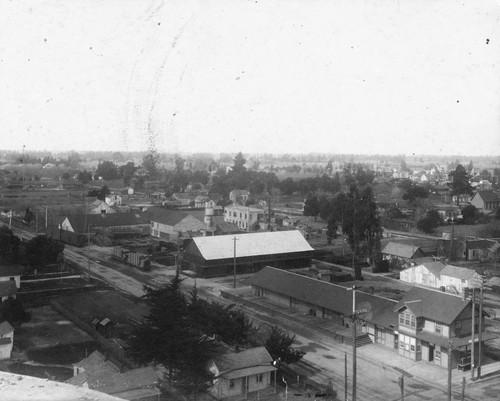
(244, 217)
(485, 201)
(239, 196)
(430, 323)
(238, 374)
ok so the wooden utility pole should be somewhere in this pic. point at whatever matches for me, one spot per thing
(450, 354)
(401, 380)
(473, 342)
(345, 376)
(480, 334)
(234, 262)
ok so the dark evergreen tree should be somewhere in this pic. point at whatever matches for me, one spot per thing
(279, 345)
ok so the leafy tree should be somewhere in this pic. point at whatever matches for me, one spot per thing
(460, 183)
(431, 221)
(279, 345)
(470, 168)
(65, 176)
(311, 207)
(107, 170)
(41, 251)
(331, 229)
(239, 163)
(415, 192)
(361, 223)
(29, 216)
(99, 193)
(13, 311)
(127, 171)
(84, 176)
(73, 160)
(9, 245)
(288, 186)
(150, 163)
(469, 214)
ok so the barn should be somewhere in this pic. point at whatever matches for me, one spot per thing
(215, 256)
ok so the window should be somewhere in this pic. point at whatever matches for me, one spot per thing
(438, 328)
(231, 383)
(260, 378)
(437, 355)
(407, 319)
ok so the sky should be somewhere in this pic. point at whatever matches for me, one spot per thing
(261, 76)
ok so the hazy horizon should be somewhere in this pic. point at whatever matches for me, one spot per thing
(260, 77)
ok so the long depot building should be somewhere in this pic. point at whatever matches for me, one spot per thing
(215, 256)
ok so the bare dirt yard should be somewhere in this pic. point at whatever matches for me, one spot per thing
(47, 346)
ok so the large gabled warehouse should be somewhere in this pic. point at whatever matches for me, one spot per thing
(214, 256)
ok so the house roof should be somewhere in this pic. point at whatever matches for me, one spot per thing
(401, 250)
(488, 196)
(485, 244)
(97, 361)
(494, 281)
(251, 244)
(5, 328)
(434, 268)
(239, 364)
(334, 297)
(10, 270)
(79, 221)
(117, 382)
(458, 272)
(167, 216)
(8, 288)
(239, 192)
(433, 305)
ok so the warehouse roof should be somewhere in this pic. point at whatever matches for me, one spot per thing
(251, 244)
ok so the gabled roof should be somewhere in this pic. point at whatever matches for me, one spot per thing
(458, 272)
(239, 192)
(401, 250)
(334, 297)
(433, 305)
(117, 382)
(252, 244)
(167, 216)
(5, 328)
(80, 221)
(488, 196)
(10, 270)
(97, 361)
(434, 268)
(486, 244)
(251, 361)
(8, 288)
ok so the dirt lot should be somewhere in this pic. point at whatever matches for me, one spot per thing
(47, 346)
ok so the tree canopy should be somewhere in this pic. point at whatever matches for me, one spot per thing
(279, 345)
(107, 170)
(460, 181)
(430, 222)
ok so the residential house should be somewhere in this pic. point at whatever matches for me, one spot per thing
(96, 372)
(401, 255)
(6, 340)
(8, 289)
(200, 201)
(245, 217)
(99, 207)
(430, 321)
(217, 255)
(481, 249)
(462, 199)
(173, 226)
(329, 301)
(448, 211)
(238, 374)
(184, 199)
(485, 201)
(113, 200)
(239, 196)
(494, 284)
(11, 273)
